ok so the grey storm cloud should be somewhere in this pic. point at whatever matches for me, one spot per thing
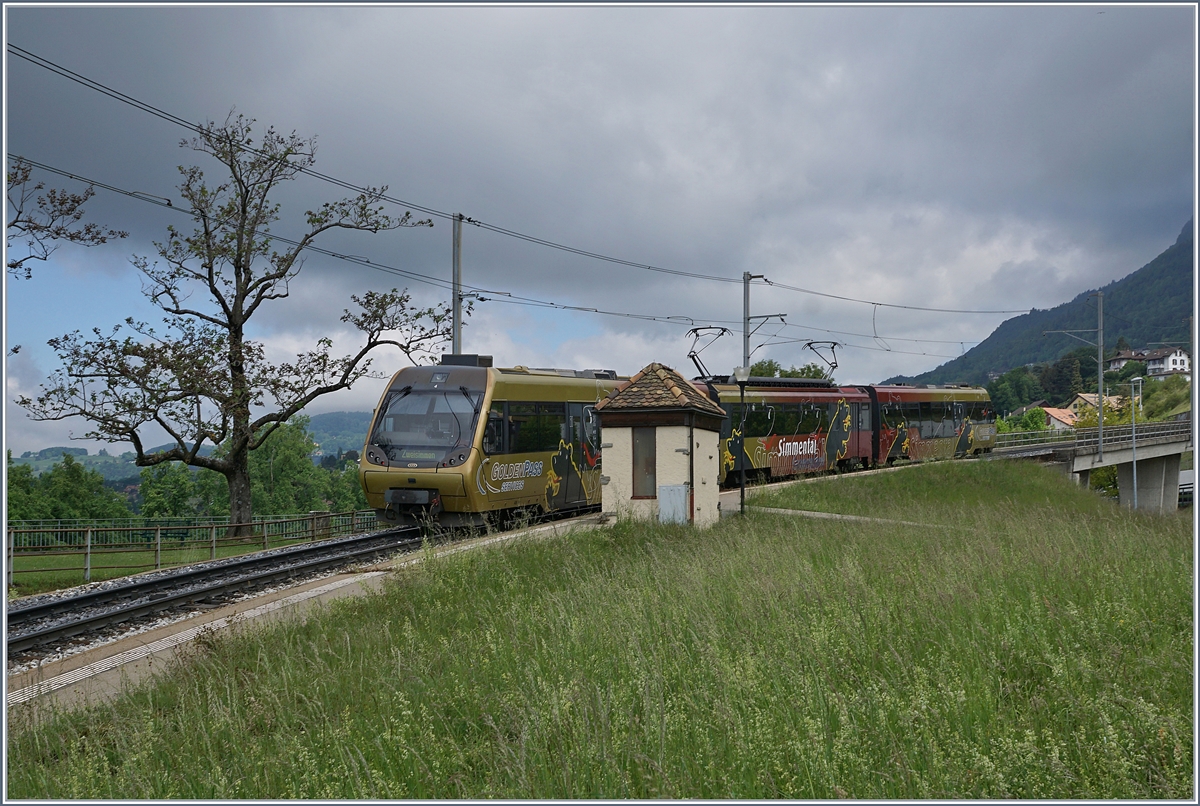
(963, 157)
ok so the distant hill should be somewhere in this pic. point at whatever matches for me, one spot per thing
(118, 471)
(340, 430)
(114, 468)
(1150, 305)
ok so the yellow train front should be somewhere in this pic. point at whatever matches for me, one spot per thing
(456, 442)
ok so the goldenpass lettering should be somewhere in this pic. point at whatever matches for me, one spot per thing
(516, 470)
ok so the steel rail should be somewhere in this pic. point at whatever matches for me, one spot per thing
(148, 596)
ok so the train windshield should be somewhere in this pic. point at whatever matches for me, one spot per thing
(427, 419)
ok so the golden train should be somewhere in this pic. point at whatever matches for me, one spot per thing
(463, 441)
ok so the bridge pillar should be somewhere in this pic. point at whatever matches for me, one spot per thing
(1083, 478)
(1157, 487)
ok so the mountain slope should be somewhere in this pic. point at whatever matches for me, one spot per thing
(340, 430)
(1150, 305)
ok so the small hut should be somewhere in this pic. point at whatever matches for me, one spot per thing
(660, 439)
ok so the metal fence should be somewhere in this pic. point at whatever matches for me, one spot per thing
(86, 546)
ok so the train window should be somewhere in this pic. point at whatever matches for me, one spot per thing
(424, 419)
(810, 418)
(760, 420)
(931, 419)
(912, 414)
(644, 461)
(553, 425)
(493, 435)
(735, 417)
(864, 417)
(522, 427)
(948, 426)
(787, 419)
(591, 427)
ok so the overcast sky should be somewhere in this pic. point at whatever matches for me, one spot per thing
(967, 158)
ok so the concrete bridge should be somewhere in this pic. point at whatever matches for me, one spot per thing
(1158, 447)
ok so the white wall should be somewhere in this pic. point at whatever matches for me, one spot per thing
(617, 495)
(706, 492)
(672, 466)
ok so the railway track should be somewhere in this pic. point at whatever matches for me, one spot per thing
(51, 620)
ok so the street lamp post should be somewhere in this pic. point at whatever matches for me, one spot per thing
(742, 375)
(1135, 388)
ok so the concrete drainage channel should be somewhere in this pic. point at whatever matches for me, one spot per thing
(99, 670)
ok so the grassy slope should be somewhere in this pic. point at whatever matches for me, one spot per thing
(1041, 647)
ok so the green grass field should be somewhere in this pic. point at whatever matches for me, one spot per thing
(39, 572)
(1041, 646)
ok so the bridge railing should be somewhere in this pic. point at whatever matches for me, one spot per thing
(1086, 439)
(1033, 439)
(1122, 435)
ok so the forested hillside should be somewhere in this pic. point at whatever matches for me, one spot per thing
(340, 430)
(1150, 305)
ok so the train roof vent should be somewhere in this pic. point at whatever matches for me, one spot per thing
(605, 374)
(466, 360)
(777, 383)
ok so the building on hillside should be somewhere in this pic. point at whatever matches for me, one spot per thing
(1168, 361)
(1037, 404)
(1087, 400)
(1120, 359)
(1059, 419)
(661, 449)
(1160, 363)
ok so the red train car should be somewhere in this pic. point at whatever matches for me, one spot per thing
(800, 425)
(930, 422)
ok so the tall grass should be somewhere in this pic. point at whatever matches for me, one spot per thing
(1041, 647)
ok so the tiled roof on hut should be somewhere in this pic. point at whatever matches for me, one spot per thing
(659, 387)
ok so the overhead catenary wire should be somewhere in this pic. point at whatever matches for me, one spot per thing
(492, 295)
(177, 120)
(863, 347)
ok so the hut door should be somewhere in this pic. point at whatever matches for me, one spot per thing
(575, 494)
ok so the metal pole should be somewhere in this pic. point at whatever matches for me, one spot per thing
(745, 319)
(456, 340)
(742, 443)
(1133, 412)
(87, 556)
(158, 546)
(213, 535)
(1100, 373)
